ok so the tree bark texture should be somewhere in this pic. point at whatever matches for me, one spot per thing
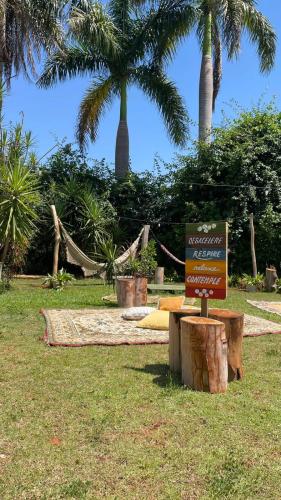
(140, 292)
(125, 290)
(122, 150)
(204, 354)
(234, 325)
(174, 336)
(206, 85)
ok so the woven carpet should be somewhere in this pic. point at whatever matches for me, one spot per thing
(82, 327)
(272, 307)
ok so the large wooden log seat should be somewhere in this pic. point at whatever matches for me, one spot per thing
(234, 325)
(204, 354)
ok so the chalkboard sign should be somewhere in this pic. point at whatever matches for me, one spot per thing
(206, 260)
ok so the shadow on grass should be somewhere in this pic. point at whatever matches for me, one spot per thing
(164, 377)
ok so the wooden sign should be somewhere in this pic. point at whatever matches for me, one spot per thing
(206, 260)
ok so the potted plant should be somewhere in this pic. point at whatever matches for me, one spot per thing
(143, 268)
(131, 286)
(251, 284)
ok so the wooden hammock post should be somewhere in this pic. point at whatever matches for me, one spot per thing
(145, 236)
(253, 250)
(57, 239)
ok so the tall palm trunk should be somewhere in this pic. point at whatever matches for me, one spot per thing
(206, 84)
(122, 139)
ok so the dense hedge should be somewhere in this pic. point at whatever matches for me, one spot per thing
(244, 159)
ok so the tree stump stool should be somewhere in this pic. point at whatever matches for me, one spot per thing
(140, 292)
(125, 289)
(204, 354)
(234, 324)
(174, 336)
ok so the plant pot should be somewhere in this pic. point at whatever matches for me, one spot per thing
(140, 292)
(251, 288)
(125, 290)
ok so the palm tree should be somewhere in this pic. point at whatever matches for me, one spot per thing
(219, 25)
(26, 27)
(115, 46)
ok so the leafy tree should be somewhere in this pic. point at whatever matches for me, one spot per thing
(238, 173)
(115, 47)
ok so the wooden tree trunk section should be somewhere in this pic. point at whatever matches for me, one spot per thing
(159, 276)
(174, 336)
(125, 290)
(204, 354)
(140, 292)
(57, 240)
(270, 279)
(234, 324)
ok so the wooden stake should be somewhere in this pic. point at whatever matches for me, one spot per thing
(253, 251)
(145, 236)
(204, 308)
(57, 239)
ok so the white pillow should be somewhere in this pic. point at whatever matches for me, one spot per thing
(137, 313)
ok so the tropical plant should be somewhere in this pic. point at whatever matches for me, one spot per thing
(249, 281)
(108, 252)
(97, 218)
(26, 27)
(277, 285)
(115, 46)
(145, 264)
(19, 192)
(59, 280)
(219, 25)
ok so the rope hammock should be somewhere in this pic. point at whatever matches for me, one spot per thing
(89, 267)
(170, 254)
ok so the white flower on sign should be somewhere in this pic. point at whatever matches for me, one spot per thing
(206, 228)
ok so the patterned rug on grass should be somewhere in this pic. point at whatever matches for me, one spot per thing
(82, 327)
(272, 307)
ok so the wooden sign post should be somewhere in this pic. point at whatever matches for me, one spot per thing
(206, 262)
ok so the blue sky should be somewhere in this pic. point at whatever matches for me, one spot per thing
(51, 114)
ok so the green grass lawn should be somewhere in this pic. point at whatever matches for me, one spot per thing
(110, 422)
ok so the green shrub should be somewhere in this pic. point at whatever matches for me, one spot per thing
(248, 280)
(58, 281)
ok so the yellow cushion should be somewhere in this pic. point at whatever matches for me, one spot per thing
(157, 320)
(170, 303)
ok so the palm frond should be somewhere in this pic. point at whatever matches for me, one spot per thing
(70, 62)
(90, 24)
(164, 93)
(27, 27)
(162, 28)
(261, 33)
(98, 96)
